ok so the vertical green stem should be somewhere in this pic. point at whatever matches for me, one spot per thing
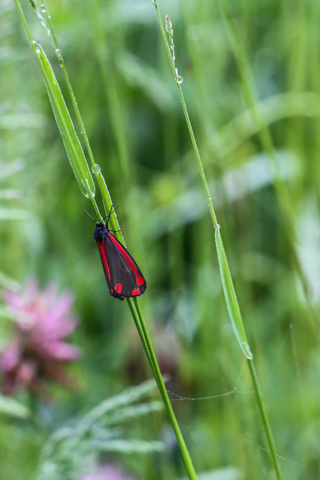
(76, 109)
(281, 189)
(146, 341)
(187, 118)
(133, 304)
(231, 299)
(264, 417)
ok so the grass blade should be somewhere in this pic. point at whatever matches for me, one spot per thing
(230, 296)
(70, 139)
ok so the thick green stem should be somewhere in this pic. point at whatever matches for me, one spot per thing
(146, 341)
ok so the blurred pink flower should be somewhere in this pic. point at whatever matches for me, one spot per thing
(38, 351)
(107, 472)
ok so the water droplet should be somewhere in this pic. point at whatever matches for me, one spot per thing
(37, 44)
(217, 226)
(96, 169)
(179, 78)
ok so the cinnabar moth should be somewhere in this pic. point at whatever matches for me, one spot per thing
(123, 276)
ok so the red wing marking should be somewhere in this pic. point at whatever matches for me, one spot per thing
(118, 288)
(135, 292)
(104, 258)
(140, 279)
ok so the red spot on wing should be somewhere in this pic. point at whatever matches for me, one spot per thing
(104, 258)
(140, 279)
(118, 288)
(135, 292)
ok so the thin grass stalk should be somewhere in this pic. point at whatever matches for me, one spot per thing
(147, 345)
(133, 304)
(226, 279)
(165, 397)
(76, 110)
(264, 417)
(187, 118)
(137, 321)
(281, 189)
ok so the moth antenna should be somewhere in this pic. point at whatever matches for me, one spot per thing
(111, 212)
(88, 213)
(107, 217)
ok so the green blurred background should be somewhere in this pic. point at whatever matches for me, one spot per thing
(126, 93)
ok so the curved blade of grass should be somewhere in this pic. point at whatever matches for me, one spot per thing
(230, 296)
(228, 288)
(70, 139)
(51, 82)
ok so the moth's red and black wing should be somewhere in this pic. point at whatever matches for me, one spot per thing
(123, 276)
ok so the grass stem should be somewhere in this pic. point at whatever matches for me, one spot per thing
(230, 296)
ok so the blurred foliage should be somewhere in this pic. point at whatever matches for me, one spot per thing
(74, 449)
(128, 99)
